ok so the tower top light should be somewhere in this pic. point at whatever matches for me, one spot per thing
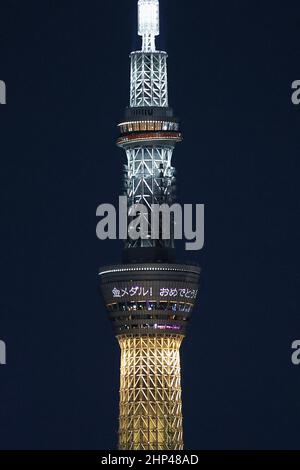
(148, 23)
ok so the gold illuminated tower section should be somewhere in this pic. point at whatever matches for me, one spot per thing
(150, 296)
(150, 393)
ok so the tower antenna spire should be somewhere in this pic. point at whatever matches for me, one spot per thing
(148, 23)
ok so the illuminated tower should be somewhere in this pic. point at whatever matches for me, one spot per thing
(149, 296)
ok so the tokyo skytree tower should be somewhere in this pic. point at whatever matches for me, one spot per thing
(149, 296)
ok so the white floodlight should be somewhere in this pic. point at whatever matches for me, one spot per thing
(148, 22)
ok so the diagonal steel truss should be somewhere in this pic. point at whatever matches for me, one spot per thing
(150, 393)
(149, 79)
(149, 178)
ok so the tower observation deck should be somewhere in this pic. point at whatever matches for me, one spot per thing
(150, 296)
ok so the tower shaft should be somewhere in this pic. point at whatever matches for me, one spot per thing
(150, 393)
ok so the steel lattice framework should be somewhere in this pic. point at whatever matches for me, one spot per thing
(150, 176)
(149, 79)
(150, 394)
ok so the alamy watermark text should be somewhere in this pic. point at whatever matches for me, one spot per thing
(296, 92)
(2, 353)
(159, 222)
(296, 353)
(2, 92)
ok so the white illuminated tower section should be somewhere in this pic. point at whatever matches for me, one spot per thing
(150, 296)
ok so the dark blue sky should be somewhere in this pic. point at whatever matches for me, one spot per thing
(66, 66)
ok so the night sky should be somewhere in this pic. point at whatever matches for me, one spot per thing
(66, 67)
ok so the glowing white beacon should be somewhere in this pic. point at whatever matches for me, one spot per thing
(148, 23)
